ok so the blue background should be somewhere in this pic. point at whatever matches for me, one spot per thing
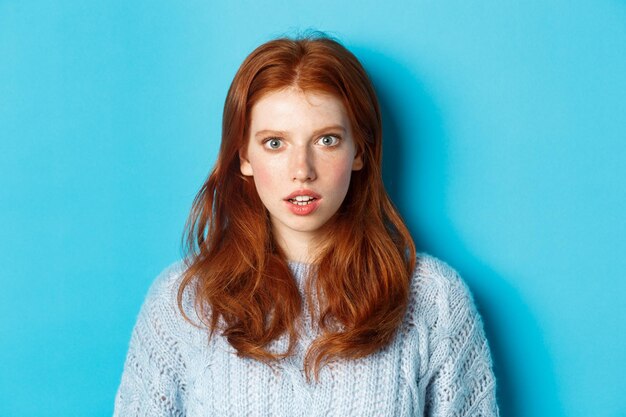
(505, 124)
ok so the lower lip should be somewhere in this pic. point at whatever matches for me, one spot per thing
(304, 209)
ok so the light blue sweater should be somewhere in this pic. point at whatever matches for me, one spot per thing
(438, 364)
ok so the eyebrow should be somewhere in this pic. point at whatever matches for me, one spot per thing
(266, 132)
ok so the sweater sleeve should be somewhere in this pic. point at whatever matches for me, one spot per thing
(463, 384)
(153, 381)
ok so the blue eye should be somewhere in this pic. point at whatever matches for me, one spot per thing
(273, 143)
(328, 140)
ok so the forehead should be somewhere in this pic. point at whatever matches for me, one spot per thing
(293, 108)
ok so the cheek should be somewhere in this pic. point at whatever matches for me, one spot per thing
(264, 180)
(342, 172)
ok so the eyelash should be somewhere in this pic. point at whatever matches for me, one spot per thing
(266, 141)
(332, 136)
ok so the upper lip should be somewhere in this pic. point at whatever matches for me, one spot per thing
(303, 192)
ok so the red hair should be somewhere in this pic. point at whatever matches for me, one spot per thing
(242, 281)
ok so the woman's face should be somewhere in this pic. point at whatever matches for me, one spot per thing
(301, 154)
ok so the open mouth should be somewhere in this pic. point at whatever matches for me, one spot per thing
(302, 200)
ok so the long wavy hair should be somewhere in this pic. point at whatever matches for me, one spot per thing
(241, 279)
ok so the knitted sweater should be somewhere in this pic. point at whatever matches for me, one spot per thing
(438, 363)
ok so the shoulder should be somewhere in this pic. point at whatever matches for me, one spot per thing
(433, 273)
(438, 293)
(161, 301)
(161, 348)
(167, 283)
(168, 279)
(456, 366)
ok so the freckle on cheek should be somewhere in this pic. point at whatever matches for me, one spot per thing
(262, 175)
(263, 178)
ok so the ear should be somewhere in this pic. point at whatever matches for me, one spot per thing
(244, 165)
(357, 164)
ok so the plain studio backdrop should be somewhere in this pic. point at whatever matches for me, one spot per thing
(505, 130)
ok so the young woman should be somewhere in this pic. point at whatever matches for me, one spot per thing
(301, 294)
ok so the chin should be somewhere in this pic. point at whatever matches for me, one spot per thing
(305, 225)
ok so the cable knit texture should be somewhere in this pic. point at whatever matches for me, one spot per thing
(438, 364)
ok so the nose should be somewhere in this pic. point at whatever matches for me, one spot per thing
(303, 164)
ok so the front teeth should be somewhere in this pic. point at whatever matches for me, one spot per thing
(302, 200)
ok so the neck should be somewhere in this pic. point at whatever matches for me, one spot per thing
(297, 247)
